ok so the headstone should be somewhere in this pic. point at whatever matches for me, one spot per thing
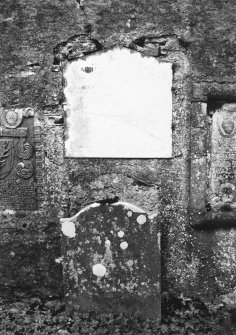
(111, 260)
(213, 163)
(118, 104)
(20, 184)
(223, 161)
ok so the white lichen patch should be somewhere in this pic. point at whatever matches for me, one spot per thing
(124, 245)
(8, 212)
(25, 74)
(107, 243)
(129, 207)
(99, 239)
(159, 241)
(121, 233)
(96, 204)
(83, 210)
(141, 219)
(58, 260)
(129, 214)
(130, 263)
(152, 216)
(99, 270)
(68, 228)
(108, 259)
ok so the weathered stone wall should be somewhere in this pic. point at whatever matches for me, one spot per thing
(37, 38)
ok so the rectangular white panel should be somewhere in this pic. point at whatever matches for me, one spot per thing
(118, 105)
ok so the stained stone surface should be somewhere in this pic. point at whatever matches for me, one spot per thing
(119, 104)
(111, 259)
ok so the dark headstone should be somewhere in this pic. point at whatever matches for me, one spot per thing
(111, 260)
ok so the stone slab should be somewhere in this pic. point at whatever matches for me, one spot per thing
(223, 159)
(19, 160)
(213, 183)
(118, 105)
(111, 260)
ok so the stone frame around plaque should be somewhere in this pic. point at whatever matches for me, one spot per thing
(212, 176)
(165, 48)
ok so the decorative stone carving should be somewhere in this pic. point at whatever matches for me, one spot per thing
(24, 169)
(18, 187)
(6, 157)
(13, 118)
(227, 126)
(24, 150)
(213, 169)
(111, 259)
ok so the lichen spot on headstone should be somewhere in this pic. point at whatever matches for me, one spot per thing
(111, 260)
(118, 104)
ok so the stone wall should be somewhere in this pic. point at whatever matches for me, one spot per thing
(38, 38)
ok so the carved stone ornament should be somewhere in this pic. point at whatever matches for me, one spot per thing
(227, 127)
(6, 157)
(25, 169)
(13, 118)
(24, 150)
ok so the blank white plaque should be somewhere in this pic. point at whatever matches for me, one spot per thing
(118, 105)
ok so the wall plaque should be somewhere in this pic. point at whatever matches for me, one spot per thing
(18, 156)
(213, 184)
(118, 104)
